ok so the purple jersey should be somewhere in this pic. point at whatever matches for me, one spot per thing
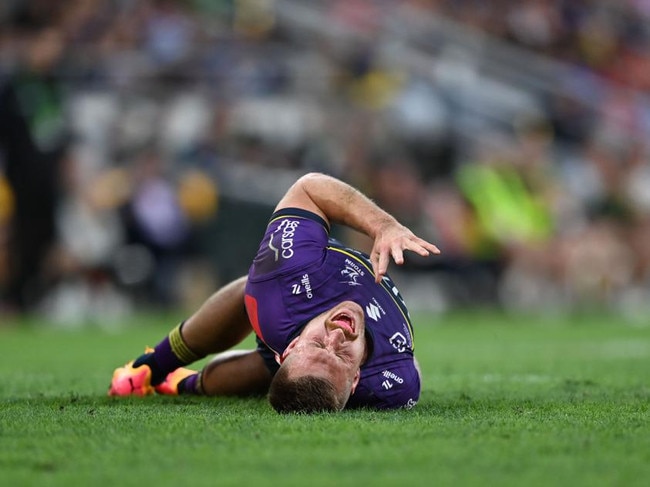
(299, 273)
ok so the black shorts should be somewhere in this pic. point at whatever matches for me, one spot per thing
(268, 356)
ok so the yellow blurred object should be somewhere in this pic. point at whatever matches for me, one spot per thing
(507, 210)
(255, 18)
(111, 189)
(377, 89)
(7, 201)
(198, 195)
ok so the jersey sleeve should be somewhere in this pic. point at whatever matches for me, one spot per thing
(294, 239)
(294, 244)
(392, 387)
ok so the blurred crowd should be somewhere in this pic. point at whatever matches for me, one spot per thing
(135, 137)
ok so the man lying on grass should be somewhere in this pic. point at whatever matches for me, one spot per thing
(332, 329)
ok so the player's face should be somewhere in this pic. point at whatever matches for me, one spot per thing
(331, 346)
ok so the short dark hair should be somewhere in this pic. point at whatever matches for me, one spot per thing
(304, 394)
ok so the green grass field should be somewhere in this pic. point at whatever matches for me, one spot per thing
(515, 401)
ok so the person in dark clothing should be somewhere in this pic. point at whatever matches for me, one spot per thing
(33, 141)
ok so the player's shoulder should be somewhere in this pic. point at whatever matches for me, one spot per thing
(391, 385)
(294, 238)
(290, 213)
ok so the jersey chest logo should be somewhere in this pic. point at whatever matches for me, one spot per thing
(351, 273)
(282, 245)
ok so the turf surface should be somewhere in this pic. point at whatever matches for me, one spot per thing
(507, 401)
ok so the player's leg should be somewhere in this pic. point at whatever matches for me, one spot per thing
(231, 373)
(220, 323)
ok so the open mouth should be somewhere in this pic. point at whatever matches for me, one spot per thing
(344, 321)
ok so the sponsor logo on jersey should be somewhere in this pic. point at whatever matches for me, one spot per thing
(282, 245)
(392, 375)
(305, 284)
(374, 310)
(410, 403)
(352, 272)
(387, 384)
(398, 341)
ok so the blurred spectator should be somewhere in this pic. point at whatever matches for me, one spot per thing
(82, 267)
(156, 222)
(33, 139)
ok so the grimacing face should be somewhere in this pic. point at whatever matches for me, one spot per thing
(332, 346)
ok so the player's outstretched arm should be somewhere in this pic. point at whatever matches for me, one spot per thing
(339, 202)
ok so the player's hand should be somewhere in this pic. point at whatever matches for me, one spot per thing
(392, 241)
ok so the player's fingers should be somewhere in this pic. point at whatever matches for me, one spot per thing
(398, 255)
(382, 265)
(430, 247)
(374, 260)
(423, 248)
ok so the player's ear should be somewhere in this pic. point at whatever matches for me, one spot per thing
(355, 381)
(280, 358)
